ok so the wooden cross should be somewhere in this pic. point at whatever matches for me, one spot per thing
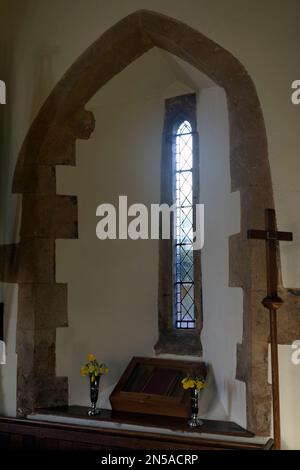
(272, 302)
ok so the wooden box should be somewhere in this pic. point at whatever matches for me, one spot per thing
(152, 385)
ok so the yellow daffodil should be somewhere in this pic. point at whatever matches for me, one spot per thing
(93, 368)
(84, 371)
(193, 382)
(200, 384)
(187, 383)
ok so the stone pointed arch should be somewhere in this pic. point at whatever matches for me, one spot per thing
(46, 216)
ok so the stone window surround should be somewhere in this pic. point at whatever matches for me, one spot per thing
(172, 340)
(46, 216)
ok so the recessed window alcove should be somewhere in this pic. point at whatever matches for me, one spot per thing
(120, 292)
(48, 216)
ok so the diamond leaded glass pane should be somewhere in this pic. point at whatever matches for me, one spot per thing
(184, 260)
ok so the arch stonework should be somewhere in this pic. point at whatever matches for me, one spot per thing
(46, 216)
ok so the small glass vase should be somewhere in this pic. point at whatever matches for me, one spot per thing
(94, 393)
(194, 421)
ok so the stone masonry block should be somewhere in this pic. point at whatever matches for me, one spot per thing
(51, 216)
(36, 261)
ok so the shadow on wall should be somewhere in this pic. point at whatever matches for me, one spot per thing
(210, 405)
(43, 76)
(43, 80)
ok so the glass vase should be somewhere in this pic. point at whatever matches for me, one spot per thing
(94, 393)
(194, 421)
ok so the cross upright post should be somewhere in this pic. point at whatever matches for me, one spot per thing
(272, 302)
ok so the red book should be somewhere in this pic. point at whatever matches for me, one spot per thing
(160, 381)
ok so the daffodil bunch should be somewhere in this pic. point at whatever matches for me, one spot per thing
(93, 369)
(193, 382)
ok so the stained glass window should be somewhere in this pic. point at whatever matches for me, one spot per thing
(183, 245)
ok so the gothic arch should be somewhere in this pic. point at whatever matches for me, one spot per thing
(47, 216)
